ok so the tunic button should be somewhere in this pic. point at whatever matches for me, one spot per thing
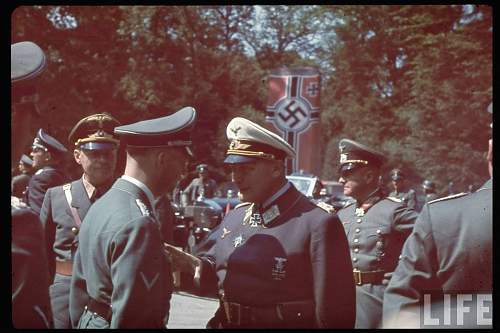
(356, 250)
(355, 240)
(379, 231)
(359, 220)
(74, 230)
(354, 259)
(357, 230)
(380, 244)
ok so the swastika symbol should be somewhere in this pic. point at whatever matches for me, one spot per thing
(294, 112)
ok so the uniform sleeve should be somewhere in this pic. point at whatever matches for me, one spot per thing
(78, 297)
(205, 251)
(334, 290)
(30, 282)
(39, 184)
(404, 219)
(49, 232)
(412, 199)
(141, 276)
(413, 274)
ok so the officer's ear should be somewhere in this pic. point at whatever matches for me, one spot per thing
(370, 176)
(277, 169)
(76, 155)
(48, 156)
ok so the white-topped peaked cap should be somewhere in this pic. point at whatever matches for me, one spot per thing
(249, 141)
(27, 60)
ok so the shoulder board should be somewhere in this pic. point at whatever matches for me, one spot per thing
(326, 207)
(242, 204)
(16, 203)
(39, 172)
(449, 197)
(394, 199)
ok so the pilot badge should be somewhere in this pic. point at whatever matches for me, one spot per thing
(238, 241)
(270, 214)
(279, 271)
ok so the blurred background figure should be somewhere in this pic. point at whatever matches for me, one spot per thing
(20, 182)
(451, 188)
(201, 187)
(47, 153)
(429, 189)
(30, 276)
(401, 189)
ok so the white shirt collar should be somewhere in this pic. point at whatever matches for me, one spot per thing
(276, 195)
(143, 187)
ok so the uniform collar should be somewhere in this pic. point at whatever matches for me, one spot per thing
(276, 195)
(143, 187)
(89, 188)
(370, 200)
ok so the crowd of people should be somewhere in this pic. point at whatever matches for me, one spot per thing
(95, 253)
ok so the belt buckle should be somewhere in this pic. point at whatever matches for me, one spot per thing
(357, 276)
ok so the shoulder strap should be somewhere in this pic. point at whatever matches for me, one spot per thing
(69, 199)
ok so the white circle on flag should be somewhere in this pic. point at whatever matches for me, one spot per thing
(292, 115)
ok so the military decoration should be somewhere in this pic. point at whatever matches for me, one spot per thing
(360, 212)
(279, 271)
(255, 220)
(238, 241)
(270, 214)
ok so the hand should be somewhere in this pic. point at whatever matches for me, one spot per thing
(182, 261)
(387, 278)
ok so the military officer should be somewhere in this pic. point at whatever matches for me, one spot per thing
(121, 276)
(203, 186)
(65, 206)
(47, 153)
(279, 260)
(376, 228)
(448, 252)
(401, 190)
(20, 182)
(30, 278)
(429, 190)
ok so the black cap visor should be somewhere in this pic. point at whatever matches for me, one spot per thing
(236, 159)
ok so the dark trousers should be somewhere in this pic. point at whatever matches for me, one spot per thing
(59, 301)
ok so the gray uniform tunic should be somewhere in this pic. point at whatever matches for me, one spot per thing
(61, 242)
(120, 262)
(375, 242)
(449, 251)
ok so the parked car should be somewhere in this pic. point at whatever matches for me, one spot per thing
(195, 221)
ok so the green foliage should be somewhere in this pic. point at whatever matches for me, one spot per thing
(412, 81)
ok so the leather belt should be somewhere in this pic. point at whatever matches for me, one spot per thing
(101, 309)
(372, 277)
(64, 267)
(242, 315)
